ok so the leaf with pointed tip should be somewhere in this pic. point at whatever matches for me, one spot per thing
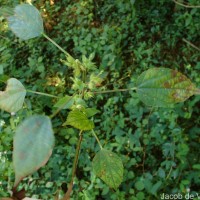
(26, 22)
(65, 102)
(163, 87)
(78, 119)
(108, 166)
(33, 145)
(12, 99)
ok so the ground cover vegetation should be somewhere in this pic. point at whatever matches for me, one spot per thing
(158, 146)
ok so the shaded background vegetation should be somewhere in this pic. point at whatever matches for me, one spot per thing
(159, 147)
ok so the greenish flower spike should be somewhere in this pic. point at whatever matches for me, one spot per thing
(26, 22)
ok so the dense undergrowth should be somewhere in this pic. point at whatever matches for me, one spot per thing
(159, 146)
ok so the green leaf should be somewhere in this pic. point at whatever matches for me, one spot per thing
(139, 185)
(78, 119)
(108, 166)
(33, 145)
(27, 22)
(65, 102)
(196, 166)
(162, 87)
(91, 111)
(12, 99)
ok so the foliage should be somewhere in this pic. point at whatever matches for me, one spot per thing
(158, 146)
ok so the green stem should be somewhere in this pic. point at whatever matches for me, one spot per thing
(57, 45)
(67, 194)
(192, 45)
(117, 90)
(185, 5)
(44, 94)
(97, 139)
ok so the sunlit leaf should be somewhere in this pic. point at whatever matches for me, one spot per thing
(162, 87)
(26, 22)
(12, 99)
(33, 144)
(108, 166)
(65, 102)
(79, 119)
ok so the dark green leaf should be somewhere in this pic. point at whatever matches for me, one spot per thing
(108, 166)
(162, 87)
(33, 145)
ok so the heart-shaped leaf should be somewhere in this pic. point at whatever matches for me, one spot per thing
(108, 166)
(12, 99)
(26, 22)
(79, 119)
(33, 145)
(162, 87)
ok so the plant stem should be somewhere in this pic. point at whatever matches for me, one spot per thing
(185, 5)
(117, 90)
(192, 45)
(44, 94)
(97, 139)
(57, 45)
(67, 194)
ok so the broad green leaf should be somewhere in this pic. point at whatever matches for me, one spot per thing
(108, 166)
(33, 145)
(26, 22)
(12, 99)
(162, 87)
(78, 119)
(65, 102)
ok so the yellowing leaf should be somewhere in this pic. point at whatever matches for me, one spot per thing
(162, 87)
(12, 99)
(108, 166)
